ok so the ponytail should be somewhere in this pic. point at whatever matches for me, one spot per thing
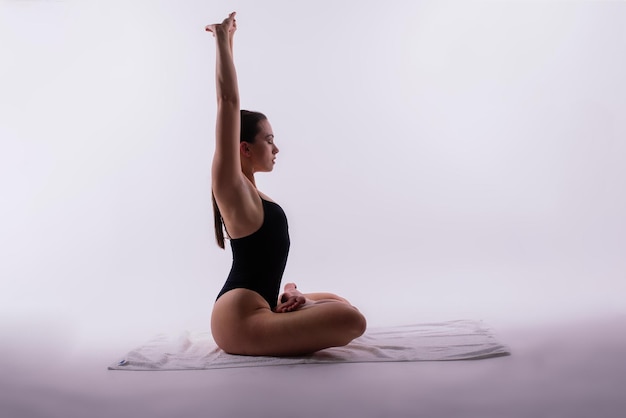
(217, 219)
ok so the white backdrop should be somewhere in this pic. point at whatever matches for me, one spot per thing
(439, 160)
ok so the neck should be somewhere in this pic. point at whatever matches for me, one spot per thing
(250, 176)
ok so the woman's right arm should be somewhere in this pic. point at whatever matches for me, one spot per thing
(226, 169)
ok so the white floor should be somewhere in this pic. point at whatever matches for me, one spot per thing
(574, 369)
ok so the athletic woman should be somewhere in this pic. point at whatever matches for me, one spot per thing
(248, 317)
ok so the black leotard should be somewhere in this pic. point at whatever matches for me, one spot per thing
(259, 259)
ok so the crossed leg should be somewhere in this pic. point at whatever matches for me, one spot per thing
(243, 323)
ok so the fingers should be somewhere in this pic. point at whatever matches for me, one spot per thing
(232, 21)
(230, 24)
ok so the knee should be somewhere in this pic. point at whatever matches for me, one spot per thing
(354, 323)
(359, 323)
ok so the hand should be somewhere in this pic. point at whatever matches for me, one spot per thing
(228, 26)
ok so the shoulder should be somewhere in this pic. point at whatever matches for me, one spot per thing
(265, 197)
(235, 193)
(241, 207)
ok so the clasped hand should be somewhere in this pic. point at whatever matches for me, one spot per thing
(228, 26)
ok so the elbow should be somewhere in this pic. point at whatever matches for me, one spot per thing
(228, 100)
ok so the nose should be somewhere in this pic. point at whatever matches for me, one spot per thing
(275, 150)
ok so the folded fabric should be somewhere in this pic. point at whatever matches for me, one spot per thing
(451, 340)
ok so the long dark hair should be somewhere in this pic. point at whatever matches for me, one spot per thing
(249, 129)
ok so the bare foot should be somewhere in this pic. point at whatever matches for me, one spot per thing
(291, 299)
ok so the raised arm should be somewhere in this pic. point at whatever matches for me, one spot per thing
(226, 170)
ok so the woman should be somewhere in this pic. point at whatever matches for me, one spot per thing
(247, 317)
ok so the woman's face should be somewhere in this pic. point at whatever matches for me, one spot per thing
(263, 150)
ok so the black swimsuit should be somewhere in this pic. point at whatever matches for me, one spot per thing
(259, 259)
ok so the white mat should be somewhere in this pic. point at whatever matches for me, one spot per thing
(452, 340)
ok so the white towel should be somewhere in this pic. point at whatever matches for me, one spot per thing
(451, 340)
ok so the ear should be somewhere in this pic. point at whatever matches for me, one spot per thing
(244, 148)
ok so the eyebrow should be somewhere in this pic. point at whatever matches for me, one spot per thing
(270, 136)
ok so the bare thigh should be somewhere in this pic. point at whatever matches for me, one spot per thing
(243, 323)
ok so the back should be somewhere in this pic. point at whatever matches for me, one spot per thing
(259, 259)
